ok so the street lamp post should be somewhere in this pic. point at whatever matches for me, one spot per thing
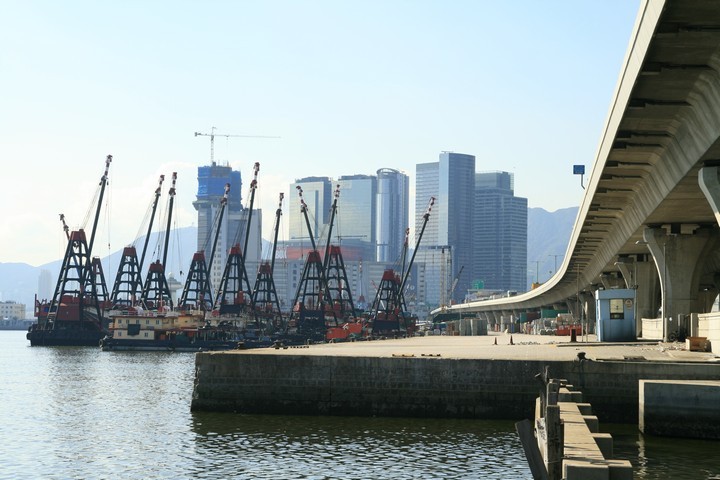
(556, 257)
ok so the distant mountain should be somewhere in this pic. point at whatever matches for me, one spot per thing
(548, 237)
(19, 281)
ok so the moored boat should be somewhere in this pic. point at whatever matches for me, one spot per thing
(74, 315)
(137, 330)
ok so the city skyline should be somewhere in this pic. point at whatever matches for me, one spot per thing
(498, 79)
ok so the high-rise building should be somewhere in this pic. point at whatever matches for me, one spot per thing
(500, 233)
(446, 245)
(356, 204)
(391, 213)
(211, 188)
(45, 285)
(317, 193)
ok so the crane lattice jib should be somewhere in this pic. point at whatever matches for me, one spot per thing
(253, 187)
(278, 214)
(103, 183)
(426, 218)
(333, 213)
(171, 201)
(158, 191)
(223, 205)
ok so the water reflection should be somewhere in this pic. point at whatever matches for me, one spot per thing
(84, 413)
(258, 446)
(661, 458)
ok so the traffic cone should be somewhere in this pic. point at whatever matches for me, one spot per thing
(511, 342)
(495, 341)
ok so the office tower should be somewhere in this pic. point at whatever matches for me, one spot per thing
(500, 238)
(317, 193)
(356, 204)
(211, 187)
(446, 245)
(391, 213)
(45, 285)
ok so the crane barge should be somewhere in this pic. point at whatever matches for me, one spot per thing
(152, 324)
(74, 316)
(389, 314)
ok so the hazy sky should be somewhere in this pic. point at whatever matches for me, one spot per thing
(349, 86)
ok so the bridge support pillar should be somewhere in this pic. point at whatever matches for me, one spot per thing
(709, 181)
(588, 305)
(494, 319)
(639, 273)
(678, 259)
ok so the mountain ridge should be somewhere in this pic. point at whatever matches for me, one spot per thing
(548, 237)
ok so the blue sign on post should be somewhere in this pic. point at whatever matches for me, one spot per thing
(579, 170)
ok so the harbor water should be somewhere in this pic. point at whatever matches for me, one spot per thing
(78, 412)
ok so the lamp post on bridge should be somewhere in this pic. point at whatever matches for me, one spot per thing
(556, 257)
(537, 271)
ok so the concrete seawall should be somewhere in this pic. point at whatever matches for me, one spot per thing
(378, 383)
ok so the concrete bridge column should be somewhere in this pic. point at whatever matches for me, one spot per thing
(587, 300)
(493, 319)
(709, 181)
(679, 260)
(573, 306)
(639, 273)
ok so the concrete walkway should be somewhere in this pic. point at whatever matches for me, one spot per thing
(523, 347)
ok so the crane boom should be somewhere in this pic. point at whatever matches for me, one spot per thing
(278, 214)
(426, 217)
(333, 210)
(212, 136)
(158, 191)
(253, 187)
(455, 282)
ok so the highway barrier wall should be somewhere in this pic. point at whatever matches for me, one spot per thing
(427, 386)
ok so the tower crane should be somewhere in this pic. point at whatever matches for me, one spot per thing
(212, 136)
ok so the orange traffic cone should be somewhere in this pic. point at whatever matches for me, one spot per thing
(511, 342)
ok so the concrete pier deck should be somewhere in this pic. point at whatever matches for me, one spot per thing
(523, 347)
(439, 376)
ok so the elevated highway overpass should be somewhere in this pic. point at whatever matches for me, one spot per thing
(649, 218)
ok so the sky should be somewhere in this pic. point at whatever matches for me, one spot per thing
(348, 86)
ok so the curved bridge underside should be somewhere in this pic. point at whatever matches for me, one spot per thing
(644, 191)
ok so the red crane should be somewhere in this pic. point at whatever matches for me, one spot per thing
(338, 286)
(264, 299)
(309, 306)
(127, 289)
(74, 315)
(197, 292)
(389, 316)
(234, 295)
(156, 292)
